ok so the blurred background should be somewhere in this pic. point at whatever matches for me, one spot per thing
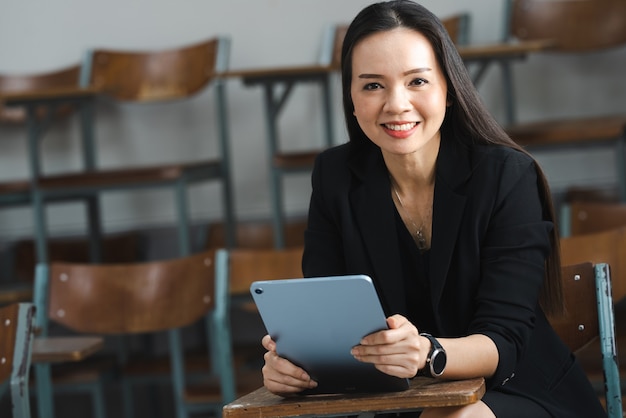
(44, 36)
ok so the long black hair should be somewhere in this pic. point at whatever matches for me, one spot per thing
(467, 120)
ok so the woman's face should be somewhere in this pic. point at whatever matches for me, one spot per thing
(398, 91)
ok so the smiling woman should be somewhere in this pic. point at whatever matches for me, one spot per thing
(450, 218)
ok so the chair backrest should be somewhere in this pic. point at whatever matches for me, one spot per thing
(601, 247)
(16, 340)
(143, 297)
(155, 75)
(130, 297)
(256, 234)
(242, 266)
(14, 83)
(588, 315)
(456, 25)
(574, 25)
(590, 217)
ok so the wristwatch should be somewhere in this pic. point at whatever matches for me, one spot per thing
(437, 357)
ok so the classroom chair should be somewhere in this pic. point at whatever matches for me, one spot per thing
(588, 316)
(17, 192)
(577, 28)
(140, 299)
(242, 266)
(16, 341)
(584, 217)
(167, 77)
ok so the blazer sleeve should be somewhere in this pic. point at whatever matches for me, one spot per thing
(512, 259)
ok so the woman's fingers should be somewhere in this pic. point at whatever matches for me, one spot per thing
(282, 377)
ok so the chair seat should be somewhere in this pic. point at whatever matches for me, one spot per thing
(123, 178)
(13, 292)
(564, 131)
(295, 160)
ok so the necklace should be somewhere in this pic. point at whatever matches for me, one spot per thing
(419, 237)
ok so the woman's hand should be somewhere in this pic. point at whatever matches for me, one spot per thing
(280, 376)
(398, 351)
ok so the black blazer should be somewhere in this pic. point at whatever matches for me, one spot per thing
(488, 249)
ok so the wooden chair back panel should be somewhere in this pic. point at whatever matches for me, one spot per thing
(132, 298)
(578, 326)
(602, 247)
(257, 234)
(154, 76)
(591, 217)
(66, 77)
(581, 25)
(8, 327)
(248, 265)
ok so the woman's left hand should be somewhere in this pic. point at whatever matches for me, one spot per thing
(398, 351)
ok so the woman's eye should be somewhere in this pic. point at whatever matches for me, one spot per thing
(372, 86)
(418, 82)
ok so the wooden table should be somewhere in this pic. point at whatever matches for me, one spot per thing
(47, 350)
(63, 349)
(423, 392)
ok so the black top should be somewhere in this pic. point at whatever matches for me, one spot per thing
(416, 280)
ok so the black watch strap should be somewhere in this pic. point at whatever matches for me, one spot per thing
(436, 359)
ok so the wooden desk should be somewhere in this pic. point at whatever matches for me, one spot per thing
(423, 392)
(64, 349)
(47, 350)
(278, 83)
(49, 100)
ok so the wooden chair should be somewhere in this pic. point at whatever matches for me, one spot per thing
(164, 76)
(600, 247)
(16, 341)
(9, 83)
(284, 162)
(589, 315)
(581, 217)
(577, 27)
(258, 234)
(141, 298)
(242, 266)
(18, 192)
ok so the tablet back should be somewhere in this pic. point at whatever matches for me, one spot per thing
(315, 323)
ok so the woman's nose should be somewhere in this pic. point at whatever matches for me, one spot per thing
(398, 101)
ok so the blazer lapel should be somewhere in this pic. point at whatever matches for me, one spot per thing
(372, 208)
(453, 170)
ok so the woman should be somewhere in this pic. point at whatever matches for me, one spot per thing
(451, 219)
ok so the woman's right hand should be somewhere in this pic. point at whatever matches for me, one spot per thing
(280, 376)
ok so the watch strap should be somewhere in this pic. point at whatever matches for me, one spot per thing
(435, 347)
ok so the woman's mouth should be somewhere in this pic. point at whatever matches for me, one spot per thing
(400, 126)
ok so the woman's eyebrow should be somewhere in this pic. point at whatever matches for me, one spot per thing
(409, 72)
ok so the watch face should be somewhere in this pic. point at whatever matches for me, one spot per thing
(438, 362)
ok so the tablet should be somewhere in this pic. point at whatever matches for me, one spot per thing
(315, 323)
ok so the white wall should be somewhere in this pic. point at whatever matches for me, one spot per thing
(37, 36)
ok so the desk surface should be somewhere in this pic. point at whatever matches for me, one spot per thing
(62, 349)
(46, 95)
(423, 392)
